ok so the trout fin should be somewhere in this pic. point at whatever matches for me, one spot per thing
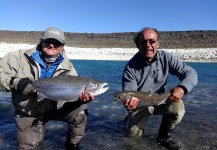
(163, 102)
(40, 97)
(60, 103)
(151, 109)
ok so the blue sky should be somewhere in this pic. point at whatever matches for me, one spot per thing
(108, 16)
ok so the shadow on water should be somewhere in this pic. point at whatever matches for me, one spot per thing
(106, 129)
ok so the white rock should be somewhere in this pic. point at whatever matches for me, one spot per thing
(76, 53)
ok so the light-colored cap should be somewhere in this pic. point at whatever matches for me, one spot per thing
(54, 33)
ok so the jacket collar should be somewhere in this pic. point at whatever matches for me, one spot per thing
(64, 63)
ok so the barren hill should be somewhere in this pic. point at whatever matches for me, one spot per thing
(168, 40)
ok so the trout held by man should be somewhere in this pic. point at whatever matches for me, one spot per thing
(66, 88)
(145, 99)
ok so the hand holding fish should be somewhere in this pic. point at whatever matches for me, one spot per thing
(86, 97)
(176, 94)
(25, 86)
(131, 103)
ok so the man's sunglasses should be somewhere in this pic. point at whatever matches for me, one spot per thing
(151, 41)
(56, 43)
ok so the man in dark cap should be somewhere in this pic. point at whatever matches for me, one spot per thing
(19, 68)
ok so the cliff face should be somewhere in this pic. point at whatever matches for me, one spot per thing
(168, 40)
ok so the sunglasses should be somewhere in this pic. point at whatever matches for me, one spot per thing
(56, 43)
(151, 42)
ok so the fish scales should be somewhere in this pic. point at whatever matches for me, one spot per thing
(68, 88)
(65, 80)
(145, 99)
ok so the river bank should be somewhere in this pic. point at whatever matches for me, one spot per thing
(75, 53)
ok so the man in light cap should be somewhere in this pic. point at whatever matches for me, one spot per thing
(54, 33)
(17, 71)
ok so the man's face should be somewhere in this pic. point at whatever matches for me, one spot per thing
(51, 47)
(148, 44)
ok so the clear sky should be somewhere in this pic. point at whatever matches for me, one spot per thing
(108, 16)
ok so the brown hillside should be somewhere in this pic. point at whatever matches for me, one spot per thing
(170, 40)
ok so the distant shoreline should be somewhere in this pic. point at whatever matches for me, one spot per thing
(122, 54)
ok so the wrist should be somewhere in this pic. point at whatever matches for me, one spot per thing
(183, 88)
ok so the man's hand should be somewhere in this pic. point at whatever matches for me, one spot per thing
(86, 97)
(176, 94)
(131, 104)
(25, 86)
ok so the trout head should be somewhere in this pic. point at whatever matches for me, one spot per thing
(121, 96)
(97, 88)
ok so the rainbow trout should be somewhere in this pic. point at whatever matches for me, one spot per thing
(67, 88)
(145, 99)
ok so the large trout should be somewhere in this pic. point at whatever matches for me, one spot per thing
(145, 99)
(67, 88)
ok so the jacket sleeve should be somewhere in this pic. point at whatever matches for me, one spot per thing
(187, 75)
(129, 81)
(9, 66)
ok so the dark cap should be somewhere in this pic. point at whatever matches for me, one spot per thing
(54, 33)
